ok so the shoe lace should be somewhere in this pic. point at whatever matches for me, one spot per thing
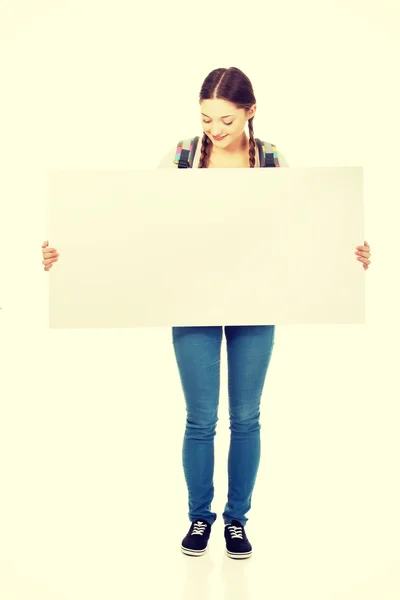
(236, 532)
(199, 528)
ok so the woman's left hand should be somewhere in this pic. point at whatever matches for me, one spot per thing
(363, 254)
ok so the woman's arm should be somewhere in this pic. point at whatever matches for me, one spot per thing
(282, 160)
(168, 161)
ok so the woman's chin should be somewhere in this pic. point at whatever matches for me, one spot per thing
(222, 142)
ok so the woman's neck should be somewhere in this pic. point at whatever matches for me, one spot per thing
(235, 156)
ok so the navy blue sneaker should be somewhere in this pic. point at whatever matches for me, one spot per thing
(237, 544)
(196, 540)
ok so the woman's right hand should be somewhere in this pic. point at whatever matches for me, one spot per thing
(50, 256)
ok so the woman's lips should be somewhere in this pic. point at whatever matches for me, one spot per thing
(218, 139)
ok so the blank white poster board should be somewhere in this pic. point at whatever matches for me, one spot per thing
(206, 247)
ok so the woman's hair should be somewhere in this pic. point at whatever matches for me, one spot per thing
(235, 87)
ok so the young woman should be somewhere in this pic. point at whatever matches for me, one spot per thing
(227, 105)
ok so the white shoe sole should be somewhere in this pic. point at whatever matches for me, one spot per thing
(190, 552)
(239, 555)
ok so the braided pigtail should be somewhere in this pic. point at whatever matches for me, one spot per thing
(252, 148)
(205, 152)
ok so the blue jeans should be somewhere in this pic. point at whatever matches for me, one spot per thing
(198, 351)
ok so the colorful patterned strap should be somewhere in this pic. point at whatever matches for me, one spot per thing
(186, 150)
(268, 154)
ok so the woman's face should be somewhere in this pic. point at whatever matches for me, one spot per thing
(223, 122)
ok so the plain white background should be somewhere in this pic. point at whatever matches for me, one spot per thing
(93, 501)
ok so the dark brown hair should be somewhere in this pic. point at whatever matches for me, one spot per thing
(235, 87)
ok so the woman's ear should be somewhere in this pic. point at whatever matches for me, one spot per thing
(251, 112)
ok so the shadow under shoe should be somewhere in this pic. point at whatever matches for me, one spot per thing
(196, 540)
(237, 544)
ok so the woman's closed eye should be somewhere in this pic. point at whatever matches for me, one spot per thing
(208, 122)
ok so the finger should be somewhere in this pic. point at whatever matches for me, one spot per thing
(50, 254)
(364, 260)
(49, 258)
(365, 254)
(49, 261)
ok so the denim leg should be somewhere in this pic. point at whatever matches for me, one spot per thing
(198, 352)
(249, 350)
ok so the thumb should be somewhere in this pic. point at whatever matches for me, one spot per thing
(45, 244)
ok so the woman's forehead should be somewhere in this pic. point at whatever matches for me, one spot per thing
(215, 107)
